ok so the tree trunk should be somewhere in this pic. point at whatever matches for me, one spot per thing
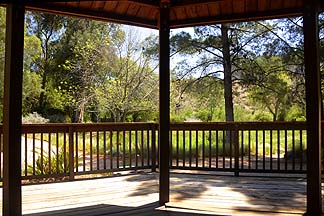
(41, 102)
(80, 113)
(228, 91)
(45, 71)
(123, 117)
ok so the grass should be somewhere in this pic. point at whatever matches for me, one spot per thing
(201, 142)
(101, 142)
(253, 142)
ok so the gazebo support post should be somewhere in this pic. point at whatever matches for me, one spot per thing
(12, 110)
(313, 109)
(164, 105)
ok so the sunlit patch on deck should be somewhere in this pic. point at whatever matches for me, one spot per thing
(196, 194)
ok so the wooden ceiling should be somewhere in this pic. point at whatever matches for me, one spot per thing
(183, 13)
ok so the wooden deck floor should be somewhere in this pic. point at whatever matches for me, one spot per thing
(190, 195)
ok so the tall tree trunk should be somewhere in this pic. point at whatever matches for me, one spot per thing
(79, 115)
(228, 91)
(41, 102)
(46, 69)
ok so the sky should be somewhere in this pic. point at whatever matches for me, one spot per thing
(146, 32)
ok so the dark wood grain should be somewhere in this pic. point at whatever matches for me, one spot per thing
(12, 109)
(313, 108)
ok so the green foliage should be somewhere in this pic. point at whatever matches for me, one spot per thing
(204, 115)
(295, 113)
(31, 91)
(262, 115)
(219, 115)
(87, 58)
(82, 65)
(178, 118)
(143, 116)
(59, 164)
(243, 114)
(32, 51)
(192, 99)
(270, 87)
(130, 84)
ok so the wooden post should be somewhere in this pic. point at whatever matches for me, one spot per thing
(164, 106)
(313, 109)
(236, 152)
(12, 110)
(153, 148)
(71, 154)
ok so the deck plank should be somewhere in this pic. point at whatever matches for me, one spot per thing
(190, 195)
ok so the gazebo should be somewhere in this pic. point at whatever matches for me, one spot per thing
(162, 15)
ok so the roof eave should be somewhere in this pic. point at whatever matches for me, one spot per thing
(101, 16)
(233, 18)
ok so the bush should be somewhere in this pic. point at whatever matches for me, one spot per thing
(219, 114)
(241, 114)
(34, 118)
(177, 118)
(295, 114)
(204, 115)
(260, 115)
(55, 118)
(57, 164)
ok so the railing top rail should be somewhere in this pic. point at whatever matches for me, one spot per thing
(239, 126)
(79, 127)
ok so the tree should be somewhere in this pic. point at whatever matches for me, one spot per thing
(286, 41)
(32, 81)
(31, 84)
(86, 53)
(48, 29)
(129, 86)
(270, 87)
(220, 48)
(196, 101)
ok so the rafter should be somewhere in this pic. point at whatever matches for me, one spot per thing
(153, 3)
(235, 18)
(180, 3)
(104, 16)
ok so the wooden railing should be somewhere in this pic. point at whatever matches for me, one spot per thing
(70, 150)
(240, 147)
(66, 150)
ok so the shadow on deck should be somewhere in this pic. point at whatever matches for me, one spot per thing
(104, 209)
(228, 195)
(191, 194)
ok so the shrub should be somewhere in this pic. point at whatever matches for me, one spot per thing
(34, 118)
(57, 164)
